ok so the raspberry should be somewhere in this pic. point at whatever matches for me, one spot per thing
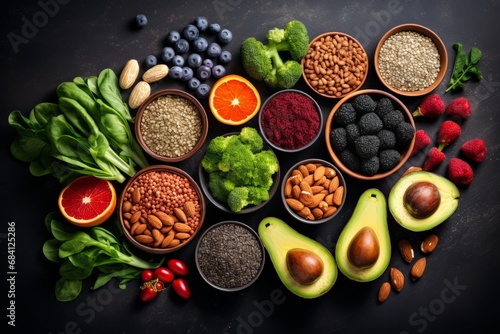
(449, 131)
(460, 172)
(474, 149)
(422, 140)
(431, 106)
(459, 107)
(434, 158)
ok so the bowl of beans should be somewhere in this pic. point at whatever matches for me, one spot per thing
(290, 120)
(171, 125)
(230, 256)
(313, 191)
(336, 64)
(161, 209)
(369, 134)
(411, 60)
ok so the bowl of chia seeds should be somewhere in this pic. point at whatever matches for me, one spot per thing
(171, 125)
(411, 60)
(230, 256)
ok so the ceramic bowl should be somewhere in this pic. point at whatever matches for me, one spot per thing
(405, 151)
(293, 126)
(151, 192)
(204, 183)
(336, 64)
(326, 185)
(441, 63)
(230, 256)
(171, 125)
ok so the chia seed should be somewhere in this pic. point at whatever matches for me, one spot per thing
(229, 255)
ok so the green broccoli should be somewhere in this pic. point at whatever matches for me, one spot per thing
(241, 197)
(215, 150)
(251, 137)
(220, 186)
(263, 62)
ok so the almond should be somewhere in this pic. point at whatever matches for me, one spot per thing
(384, 291)
(166, 219)
(397, 279)
(406, 250)
(296, 191)
(319, 173)
(304, 186)
(429, 244)
(311, 167)
(129, 74)
(144, 239)
(306, 198)
(418, 268)
(288, 188)
(294, 204)
(180, 214)
(136, 196)
(139, 94)
(135, 217)
(303, 170)
(174, 243)
(155, 73)
(317, 213)
(189, 208)
(329, 211)
(181, 227)
(338, 196)
(127, 206)
(334, 184)
(330, 172)
(167, 240)
(182, 235)
(154, 222)
(158, 237)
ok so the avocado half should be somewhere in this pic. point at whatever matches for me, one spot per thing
(448, 204)
(278, 238)
(370, 212)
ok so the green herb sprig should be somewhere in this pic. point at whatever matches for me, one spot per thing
(464, 68)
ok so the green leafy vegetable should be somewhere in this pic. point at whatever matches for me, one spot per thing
(464, 68)
(87, 132)
(83, 254)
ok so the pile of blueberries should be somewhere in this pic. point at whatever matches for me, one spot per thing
(194, 54)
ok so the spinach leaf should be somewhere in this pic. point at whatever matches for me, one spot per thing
(464, 67)
(67, 290)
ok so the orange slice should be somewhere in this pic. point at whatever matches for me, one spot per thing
(234, 100)
(87, 201)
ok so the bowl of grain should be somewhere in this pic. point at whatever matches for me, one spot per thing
(230, 256)
(335, 65)
(171, 125)
(161, 209)
(411, 60)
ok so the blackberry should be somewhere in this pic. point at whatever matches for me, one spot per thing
(338, 139)
(370, 124)
(392, 119)
(367, 146)
(364, 104)
(389, 159)
(369, 166)
(350, 160)
(387, 139)
(345, 114)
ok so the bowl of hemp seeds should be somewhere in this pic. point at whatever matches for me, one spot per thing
(171, 125)
(411, 60)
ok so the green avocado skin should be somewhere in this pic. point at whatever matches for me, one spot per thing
(370, 211)
(448, 191)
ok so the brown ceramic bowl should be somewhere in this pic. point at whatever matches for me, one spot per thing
(343, 66)
(171, 130)
(441, 49)
(157, 185)
(404, 152)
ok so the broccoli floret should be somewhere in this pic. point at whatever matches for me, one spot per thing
(384, 106)
(346, 114)
(404, 134)
(369, 166)
(251, 137)
(220, 186)
(389, 159)
(352, 132)
(350, 159)
(238, 199)
(257, 195)
(263, 62)
(392, 119)
(367, 146)
(214, 152)
(387, 139)
(364, 104)
(370, 124)
(338, 139)
(237, 157)
(265, 167)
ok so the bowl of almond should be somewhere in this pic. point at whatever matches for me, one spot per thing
(313, 191)
(161, 209)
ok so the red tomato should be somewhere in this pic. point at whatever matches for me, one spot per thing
(177, 267)
(147, 275)
(147, 294)
(163, 274)
(181, 288)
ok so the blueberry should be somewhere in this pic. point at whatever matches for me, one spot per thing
(203, 72)
(173, 36)
(208, 62)
(194, 60)
(151, 61)
(202, 91)
(167, 54)
(214, 50)
(225, 57)
(218, 71)
(193, 83)
(187, 73)
(201, 23)
(181, 46)
(200, 44)
(141, 20)
(175, 72)
(190, 32)
(178, 60)
(225, 36)
(214, 28)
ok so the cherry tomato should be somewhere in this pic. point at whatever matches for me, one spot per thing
(163, 274)
(147, 275)
(181, 288)
(177, 267)
(147, 294)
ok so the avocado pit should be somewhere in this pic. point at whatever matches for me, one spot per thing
(422, 199)
(304, 266)
(364, 248)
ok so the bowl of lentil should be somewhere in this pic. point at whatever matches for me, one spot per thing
(313, 191)
(335, 65)
(369, 134)
(161, 209)
(290, 120)
(230, 256)
(411, 60)
(171, 125)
